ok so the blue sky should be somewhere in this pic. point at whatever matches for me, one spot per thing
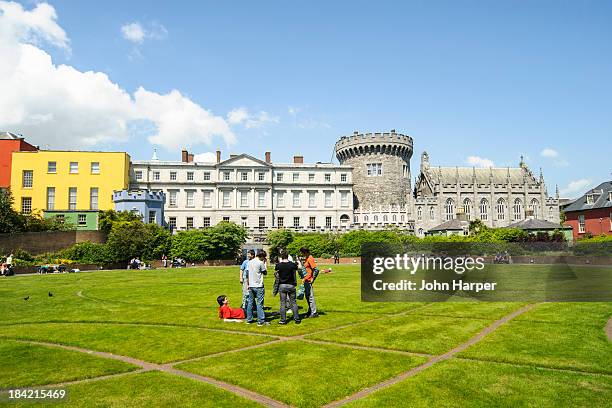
(481, 79)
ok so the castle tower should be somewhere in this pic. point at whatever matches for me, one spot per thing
(381, 168)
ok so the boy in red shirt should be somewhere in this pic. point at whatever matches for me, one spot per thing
(226, 312)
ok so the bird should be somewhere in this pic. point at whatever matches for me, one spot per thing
(50, 294)
(26, 298)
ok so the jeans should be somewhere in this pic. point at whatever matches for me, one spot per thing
(310, 298)
(245, 294)
(256, 295)
(287, 292)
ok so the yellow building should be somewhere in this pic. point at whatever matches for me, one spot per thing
(68, 182)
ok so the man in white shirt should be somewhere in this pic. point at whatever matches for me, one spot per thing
(256, 271)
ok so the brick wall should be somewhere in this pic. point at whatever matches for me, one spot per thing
(40, 242)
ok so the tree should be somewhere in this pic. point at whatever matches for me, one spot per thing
(106, 219)
(10, 220)
(128, 239)
(277, 239)
(35, 222)
(223, 241)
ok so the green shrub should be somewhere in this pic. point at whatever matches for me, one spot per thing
(280, 238)
(86, 252)
(223, 241)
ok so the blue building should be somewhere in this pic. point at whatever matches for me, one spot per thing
(148, 204)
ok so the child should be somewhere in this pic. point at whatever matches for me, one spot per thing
(226, 312)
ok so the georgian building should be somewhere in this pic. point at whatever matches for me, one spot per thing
(497, 196)
(257, 194)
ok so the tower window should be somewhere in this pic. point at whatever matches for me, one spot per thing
(374, 169)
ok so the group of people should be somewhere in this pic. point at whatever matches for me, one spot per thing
(252, 273)
(174, 263)
(6, 267)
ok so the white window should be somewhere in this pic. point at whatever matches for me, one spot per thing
(280, 222)
(74, 167)
(261, 199)
(82, 220)
(206, 222)
(296, 222)
(280, 199)
(190, 198)
(327, 177)
(244, 176)
(467, 208)
(173, 175)
(172, 198)
(311, 198)
(419, 213)
(279, 176)
(328, 199)
(432, 213)
(501, 209)
(296, 199)
(93, 198)
(226, 176)
(156, 177)
(244, 198)
(328, 222)
(589, 199)
(172, 223)
(190, 176)
(405, 170)
(374, 169)
(50, 198)
(27, 178)
(344, 202)
(581, 226)
(138, 174)
(26, 205)
(206, 175)
(189, 222)
(312, 222)
(262, 222)
(72, 198)
(449, 209)
(261, 176)
(95, 168)
(610, 196)
(51, 167)
(484, 209)
(152, 216)
(296, 177)
(207, 199)
(226, 198)
(311, 177)
(518, 209)
(343, 178)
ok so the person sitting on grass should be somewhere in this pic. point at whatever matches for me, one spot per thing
(227, 313)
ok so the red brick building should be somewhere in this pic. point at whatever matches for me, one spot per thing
(10, 143)
(591, 213)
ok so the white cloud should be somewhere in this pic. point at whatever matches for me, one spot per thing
(479, 162)
(548, 152)
(62, 107)
(206, 157)
(135, 32)
(293, 111)
(241, 116)
(576, 188)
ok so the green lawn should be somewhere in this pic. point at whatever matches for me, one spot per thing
(167, 316)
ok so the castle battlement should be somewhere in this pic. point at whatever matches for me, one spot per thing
(374, 138)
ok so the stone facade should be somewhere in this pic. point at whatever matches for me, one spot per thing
(381, 168)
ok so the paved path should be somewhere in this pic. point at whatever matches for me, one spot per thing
(435, 359)
(609, 329)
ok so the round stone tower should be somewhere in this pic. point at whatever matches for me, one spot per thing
(381, 168)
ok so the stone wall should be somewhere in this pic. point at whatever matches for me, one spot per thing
(41, 242)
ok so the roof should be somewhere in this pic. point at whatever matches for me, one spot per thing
(465, 175)
(601, 194)
(9, 136)
(535, 224)
(451, 225)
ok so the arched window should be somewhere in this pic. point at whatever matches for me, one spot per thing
(356, 219)
(550, 214)
(385, 218)
(518, 209)
(421, 232)
(394, 218)
(432, 213)
(535, 208)
(484, 209)
(344, 219)
(365, 218)
(419, 213)
(402, 217)
(467, 208)
(501, 209)
(376, 218)
(449, 209)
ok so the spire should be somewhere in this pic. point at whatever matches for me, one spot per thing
(541, 176)
(154, 154)
(473, 173)
(557, 191)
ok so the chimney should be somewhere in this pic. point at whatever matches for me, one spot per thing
(233, 155)
(298, 159)
(268, 159)
(184, 155)
(218, 156)
(189, 157)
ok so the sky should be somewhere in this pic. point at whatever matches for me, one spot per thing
(474, 83)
